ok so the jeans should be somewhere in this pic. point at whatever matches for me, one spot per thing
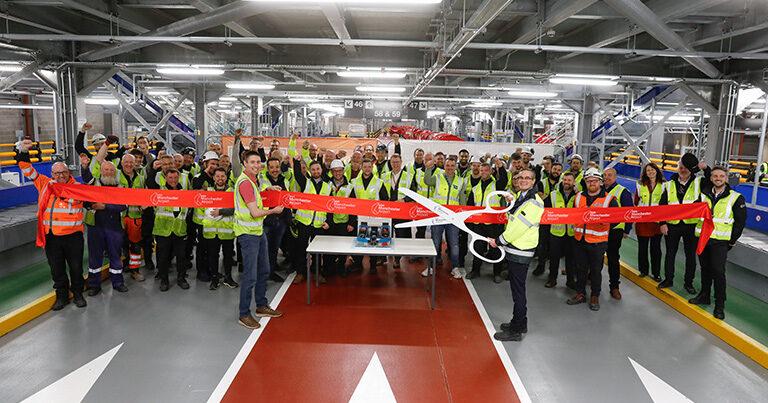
(672, 241)
(255, 272)
(451, 237)
(274, 231)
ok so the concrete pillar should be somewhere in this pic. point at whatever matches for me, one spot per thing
(201, 121)
(584, 130)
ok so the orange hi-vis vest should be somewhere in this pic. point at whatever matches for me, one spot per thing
(592, 233)
(61, 216)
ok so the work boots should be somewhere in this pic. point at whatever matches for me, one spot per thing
(62, 299)
(79, 300)
(701, 299)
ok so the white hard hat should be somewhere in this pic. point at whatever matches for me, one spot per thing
(337, 164)
(210, 155)
(576, 157)
(98, 138)
(592, 173)
(528, 150)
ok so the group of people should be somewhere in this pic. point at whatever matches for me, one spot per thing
(251, 236)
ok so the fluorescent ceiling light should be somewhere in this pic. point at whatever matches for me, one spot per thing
(11, 68)
(582, 81)
(431, 114)
(26, 106)
(303, 100)
(380, 89)
(485, 105)
(532, 94)
(189, 71)
(249, 86)
(414, 2)
(329, 114)
(231, 112)
(587, 76)
(158, 92)
(227, 99)
(755, 110)
(101, 101)
(371, 74)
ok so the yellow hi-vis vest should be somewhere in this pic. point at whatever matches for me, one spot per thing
(421, 187)
(558, 201)
(342, 191)
(221, 228)
(312, 218)
(444, 195)
(370, 193)
(692, 194)
(405, 182)
(198, 215)
(764, 170)
(616, 193)
(722, 216)
(167, 224)
(245, 223)
(478, 194)
(647, 198)
(521, 233)
(183, 180)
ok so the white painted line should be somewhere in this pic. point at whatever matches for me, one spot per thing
(74, 386)
(373, 386)
(239, 360)
(511, 372)
(660, 391)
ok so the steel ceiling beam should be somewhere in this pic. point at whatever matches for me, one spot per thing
(639, 13)
(218, 16)
(553, 15)
(205, 6)
(335, 16)
(14, 78)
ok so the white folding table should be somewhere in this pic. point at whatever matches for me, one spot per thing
(345, 246)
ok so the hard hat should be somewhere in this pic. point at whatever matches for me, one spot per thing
(527, 150)
(188, 151)
(337, 164)
(576, 157)
(592, 173)
(381, 147)
(210, 155)
(98, 138)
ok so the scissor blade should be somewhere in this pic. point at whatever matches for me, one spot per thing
(430, 204)
(423, 222)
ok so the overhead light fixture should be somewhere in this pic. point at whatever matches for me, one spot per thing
(330, 108)
(582, 81)
(588, 76)
(189, 71)
(381, 89)
(10, 67)
(229, 111)
(249, 86)
(485, 104)
(101, 101)
(303, 100)
(414, 2)
(329, 114)
(432, 114)
(532, 94)
(231, 99)
(371, 74)
(14, 106)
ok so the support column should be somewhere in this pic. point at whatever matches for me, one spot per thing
(201, 121)
(284, 121)
(584, 135)
(255, 114)
(66, 110)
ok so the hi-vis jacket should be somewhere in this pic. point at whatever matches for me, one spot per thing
(521, 233)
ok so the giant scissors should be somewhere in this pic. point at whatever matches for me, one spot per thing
(448, 216)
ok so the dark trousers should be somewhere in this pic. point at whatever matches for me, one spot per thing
(463, 248)
(405, 232)
(101, 240)
(589, 263)
(672, 241)
(196, 241)
(335, 263)
(274, 231)
(542, 251)
(169, 247)
(642, 258)
(559, 247)
(306, 234)
(713, 261)
(517, 275)
(64, 251)
(421, 232)
(481, 247)
(227, 248)
(147, 239)
(614, 244)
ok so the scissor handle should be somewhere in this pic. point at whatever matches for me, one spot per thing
(499, 193)
(476, 238)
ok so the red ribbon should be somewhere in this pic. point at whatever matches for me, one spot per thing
(386, 209)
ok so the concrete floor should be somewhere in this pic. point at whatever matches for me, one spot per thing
(179, 344)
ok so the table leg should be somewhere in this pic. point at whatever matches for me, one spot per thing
(309, 281)
(317, 270)
(434, 272)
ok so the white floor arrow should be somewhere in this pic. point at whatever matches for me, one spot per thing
(74, 387)
(373, 386)
(660, 391)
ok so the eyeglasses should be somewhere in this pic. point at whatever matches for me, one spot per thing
(59, 173)
(528, 178)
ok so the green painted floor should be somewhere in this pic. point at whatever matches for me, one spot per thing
(24, 286)
(742, 311)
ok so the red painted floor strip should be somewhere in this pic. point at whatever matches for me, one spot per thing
(318, 352)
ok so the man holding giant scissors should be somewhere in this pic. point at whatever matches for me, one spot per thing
(519, 241)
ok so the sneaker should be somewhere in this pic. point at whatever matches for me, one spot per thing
(214, 284)
(426, 272)
(456, 273)
(229, 282)
(267, 312)
(94, 291)
(136, 276)
(120, 288)
(182, 282)
(249, 322)
(508, 336)
(579, 298)
(594, 303)
(276, 277)
(79, 300)
(298, 279)
(616, 294)
(665, 284)
(164, 286)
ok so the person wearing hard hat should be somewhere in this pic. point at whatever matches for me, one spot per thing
(339, 223)
(576, 165)
(682, 188)
(591, 240)
(519, 240)
(202, 181)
